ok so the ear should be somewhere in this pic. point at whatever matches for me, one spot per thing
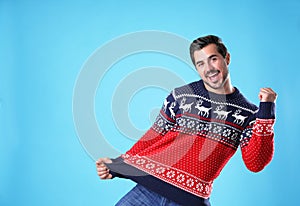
(227, 58)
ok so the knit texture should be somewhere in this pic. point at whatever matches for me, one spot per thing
(197, 132)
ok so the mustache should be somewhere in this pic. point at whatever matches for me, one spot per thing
(213, 71)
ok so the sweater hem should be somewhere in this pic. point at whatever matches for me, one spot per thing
(172, 176)
(123, 170)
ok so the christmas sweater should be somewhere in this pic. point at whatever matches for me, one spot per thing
(192, 139)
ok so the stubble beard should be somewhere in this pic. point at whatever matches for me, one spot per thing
(220, 85)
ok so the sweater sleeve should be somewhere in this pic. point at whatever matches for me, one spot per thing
(163, 123)
(257, 143)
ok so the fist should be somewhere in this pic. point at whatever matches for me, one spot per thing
(102, 170)
(267, 95)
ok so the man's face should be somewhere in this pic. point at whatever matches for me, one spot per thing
(212, 68)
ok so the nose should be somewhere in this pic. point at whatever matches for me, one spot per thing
(209, 66)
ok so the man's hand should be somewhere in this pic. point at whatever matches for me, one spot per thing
(267, 95)
(102, 170)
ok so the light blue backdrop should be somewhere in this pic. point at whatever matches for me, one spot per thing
(43, 46)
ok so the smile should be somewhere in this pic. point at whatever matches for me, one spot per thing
(212, 74)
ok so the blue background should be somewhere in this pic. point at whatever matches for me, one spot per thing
(43, 46)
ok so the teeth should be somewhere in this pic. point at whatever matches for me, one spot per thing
(213, 74)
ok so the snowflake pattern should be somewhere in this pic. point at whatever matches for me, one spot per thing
(181, 122)
(162, 125)
(150, 166)
(140, 161)
(269, 128)
(226, 132)
(190, 182)
(160, 122)
(223, 133)
(190, 124)
(160, 170)
(200, 126)
(208, 127)
(199, 187)
(217, 129)
(171, 175)
(180, 178)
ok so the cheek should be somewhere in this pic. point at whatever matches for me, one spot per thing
(200, 72)
(221, 66)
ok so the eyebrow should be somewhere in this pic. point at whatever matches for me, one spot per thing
(210, 57)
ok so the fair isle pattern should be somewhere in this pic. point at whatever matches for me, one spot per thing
(210, 128)
(211, 101)
(217, 131)
(172, 175)
(162, 124)
(262, 127)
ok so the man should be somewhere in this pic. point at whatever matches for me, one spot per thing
(199, 128)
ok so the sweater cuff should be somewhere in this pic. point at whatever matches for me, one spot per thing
(266, 110)
(111, 166)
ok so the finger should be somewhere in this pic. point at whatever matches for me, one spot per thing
(267, 95)
(267, 90)
(100, 161)
(264, 90)
(102, 173)
(260, 95)
(100, 164)
(103, 160)
(103, 176)
(106, 176)
(106, 160)
(102, 169)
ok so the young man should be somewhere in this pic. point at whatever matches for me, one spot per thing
(199, 128)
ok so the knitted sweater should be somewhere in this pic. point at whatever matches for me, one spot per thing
(192, 139)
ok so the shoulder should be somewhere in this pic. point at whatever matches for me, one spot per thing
(190, 89)
(243, 102)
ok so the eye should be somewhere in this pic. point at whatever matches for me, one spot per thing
(214, 59)
(200, 64)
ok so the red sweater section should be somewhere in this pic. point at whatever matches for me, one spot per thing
(259, 151)
(195, 135)
(192, 162)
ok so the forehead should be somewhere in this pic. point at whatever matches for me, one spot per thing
(206, 52)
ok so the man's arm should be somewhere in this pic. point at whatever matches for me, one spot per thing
(258, 144)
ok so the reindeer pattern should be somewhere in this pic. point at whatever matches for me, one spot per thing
(239, 119)
(166, 102)
(221, 114)
(203, 111)
(220, 111)
(173, 104)
(185, 107)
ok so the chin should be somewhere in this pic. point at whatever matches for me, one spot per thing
(216, 86)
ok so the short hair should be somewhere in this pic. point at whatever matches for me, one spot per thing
(202, 42)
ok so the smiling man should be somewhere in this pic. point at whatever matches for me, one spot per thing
(197, 131)
(213, 69)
